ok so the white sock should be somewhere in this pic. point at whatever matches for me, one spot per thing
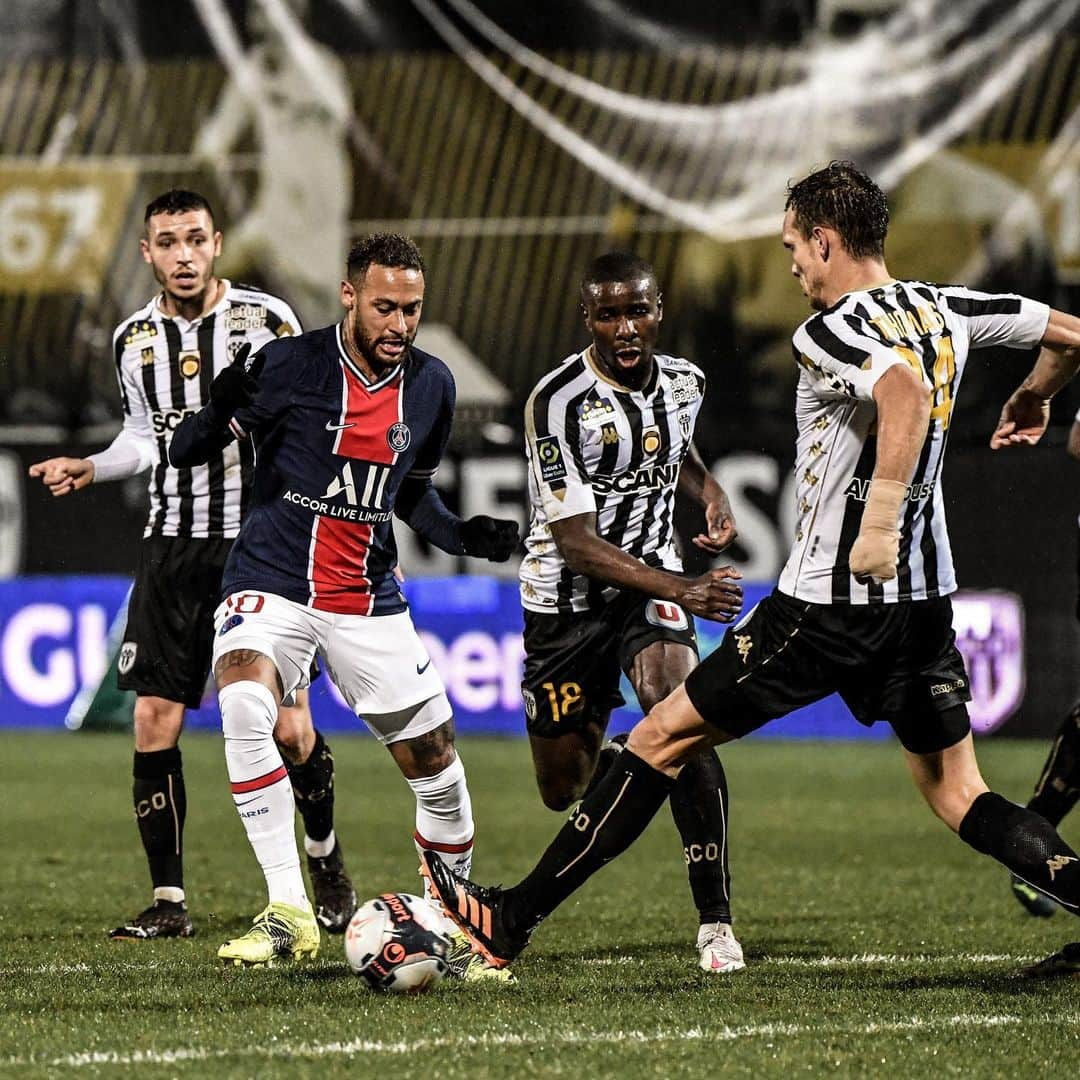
(261, 788)
(444, 822)
(170, 893)
(319, 849)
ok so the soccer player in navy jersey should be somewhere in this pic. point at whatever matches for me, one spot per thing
(167, 354)
(862, 606)
(349, 424)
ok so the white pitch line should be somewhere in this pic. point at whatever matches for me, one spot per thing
(95, 1058)
(884, 959)
(107, 968)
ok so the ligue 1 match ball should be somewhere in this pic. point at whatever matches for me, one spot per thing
(398, 943)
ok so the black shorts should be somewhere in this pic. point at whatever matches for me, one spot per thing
(573, 660)
(892, 662)
(170, 625)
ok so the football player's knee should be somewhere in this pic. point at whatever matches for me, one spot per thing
(157, 719)
(653, 691)
(293, 732)
(248, 710)
(560, 793)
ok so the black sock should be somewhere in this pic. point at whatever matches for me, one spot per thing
(313, 788)
(1025, 843)
(699, 805)
(602, 827)
(1058, 788)
(160, 809)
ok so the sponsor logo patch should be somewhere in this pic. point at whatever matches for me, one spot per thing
(139, 332)
(650, 439)
(549, 454)
(942, 688)
(666, 614)
(685, 389)
(245, 317)
(128, 652)
(398, 437)
(231, 623)
(190, 362)
(148, 355)
(596, 413)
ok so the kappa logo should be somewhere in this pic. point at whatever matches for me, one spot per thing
(744, 645)
(1058, 862)
(398, 437)
(126, 661)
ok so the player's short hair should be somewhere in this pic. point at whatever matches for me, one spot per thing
(843, 198)
(615, 266)
(176, 201)
(383, 249)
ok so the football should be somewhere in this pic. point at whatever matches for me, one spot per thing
(397, 943)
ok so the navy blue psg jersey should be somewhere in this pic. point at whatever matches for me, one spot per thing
(332, 450)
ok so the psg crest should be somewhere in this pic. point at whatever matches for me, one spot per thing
(399, 436)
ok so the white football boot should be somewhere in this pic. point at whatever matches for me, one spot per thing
(718, 949)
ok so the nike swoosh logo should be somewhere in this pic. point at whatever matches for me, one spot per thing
(420, 670)
(251, 800)
(331, 426)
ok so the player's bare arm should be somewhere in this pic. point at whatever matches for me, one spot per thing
(1073, 445)
(699, 485)
(903, 414)
(63, 475)
(1027, 412)
(715, 595)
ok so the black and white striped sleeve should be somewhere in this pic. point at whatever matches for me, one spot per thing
(554, 452)
(998, 319)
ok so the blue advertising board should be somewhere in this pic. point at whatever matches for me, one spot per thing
(54, 646)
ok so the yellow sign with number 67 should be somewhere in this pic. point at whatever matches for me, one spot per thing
(59, 224)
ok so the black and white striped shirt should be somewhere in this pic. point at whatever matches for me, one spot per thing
(165, 366)
(842, 353)
(594, 446)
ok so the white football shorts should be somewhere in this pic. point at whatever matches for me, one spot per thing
(378, 662)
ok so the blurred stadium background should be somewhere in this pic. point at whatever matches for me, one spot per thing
(514, 141)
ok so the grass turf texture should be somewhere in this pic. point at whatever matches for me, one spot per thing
(876, 942)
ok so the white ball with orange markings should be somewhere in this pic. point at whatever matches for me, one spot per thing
(398, 943)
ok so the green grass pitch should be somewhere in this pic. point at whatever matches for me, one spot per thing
(877, 943)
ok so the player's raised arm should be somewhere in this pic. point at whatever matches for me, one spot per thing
(1027, 411)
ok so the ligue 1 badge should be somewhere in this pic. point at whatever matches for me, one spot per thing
(398, 437)
(189, 364)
